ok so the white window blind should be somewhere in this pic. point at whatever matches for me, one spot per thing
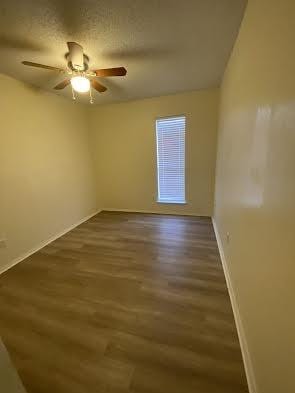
(171, 159)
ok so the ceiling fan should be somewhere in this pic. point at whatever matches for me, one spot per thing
(78, 74)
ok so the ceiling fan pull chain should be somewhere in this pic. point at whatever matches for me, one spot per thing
(90, 94)
(73, 93)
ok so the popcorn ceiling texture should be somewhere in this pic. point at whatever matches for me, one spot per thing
(167, 46)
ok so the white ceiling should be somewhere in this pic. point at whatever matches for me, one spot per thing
(167, 46)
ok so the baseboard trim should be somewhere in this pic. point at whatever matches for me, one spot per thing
(239, 325)
(45, 243)
(107, 209)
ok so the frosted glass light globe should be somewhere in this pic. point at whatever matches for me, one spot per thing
(80, 84)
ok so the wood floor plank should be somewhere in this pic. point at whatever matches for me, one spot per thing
(124, 303)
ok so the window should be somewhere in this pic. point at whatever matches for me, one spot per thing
(171, 159)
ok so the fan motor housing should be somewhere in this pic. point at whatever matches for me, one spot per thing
(77, 60)
(77, 67)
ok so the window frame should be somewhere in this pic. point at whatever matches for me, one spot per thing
(185, 160)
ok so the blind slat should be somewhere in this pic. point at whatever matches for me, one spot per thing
(171, 159)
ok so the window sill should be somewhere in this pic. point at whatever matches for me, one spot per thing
(172, 203)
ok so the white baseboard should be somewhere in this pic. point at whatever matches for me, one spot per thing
(46, 242)
(108, 209)
(239, 325)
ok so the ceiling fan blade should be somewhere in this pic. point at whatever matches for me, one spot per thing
(97, 86)
(117, 71)
(47, 67)
(63, 84)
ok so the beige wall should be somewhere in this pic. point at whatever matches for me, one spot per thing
(255, 187)
(125, 150)
(46, 171)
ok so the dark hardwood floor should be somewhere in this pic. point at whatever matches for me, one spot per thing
(125, 302)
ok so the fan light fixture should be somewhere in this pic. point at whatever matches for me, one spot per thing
(81, 84)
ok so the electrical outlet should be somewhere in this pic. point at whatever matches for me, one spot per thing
(227, 237)
(3, 243)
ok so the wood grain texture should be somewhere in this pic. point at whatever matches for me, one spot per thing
(124, 303)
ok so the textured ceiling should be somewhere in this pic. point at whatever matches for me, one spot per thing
(167, 46)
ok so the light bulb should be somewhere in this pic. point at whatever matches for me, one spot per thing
(80, 84)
